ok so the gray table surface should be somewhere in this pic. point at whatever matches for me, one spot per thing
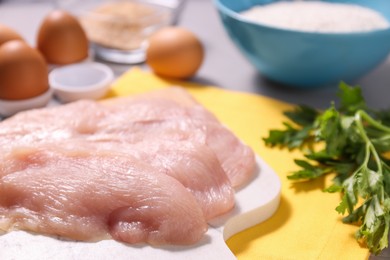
(224, 66)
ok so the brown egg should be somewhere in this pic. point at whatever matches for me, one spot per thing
(23, 71)
(7, 34)
(61, 39)
(174, 52)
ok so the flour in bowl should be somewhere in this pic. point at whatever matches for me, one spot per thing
(317, 16)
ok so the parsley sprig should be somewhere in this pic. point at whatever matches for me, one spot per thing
(353, 142)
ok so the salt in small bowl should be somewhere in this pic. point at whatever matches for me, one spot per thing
(88, 80)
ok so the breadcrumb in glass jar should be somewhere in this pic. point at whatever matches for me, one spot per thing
(124, 25)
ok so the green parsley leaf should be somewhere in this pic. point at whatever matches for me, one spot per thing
(351, 99)
(354, 143)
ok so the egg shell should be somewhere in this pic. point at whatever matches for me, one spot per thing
(61, 39)
(23, 71)
(174, 52)
(7, 34)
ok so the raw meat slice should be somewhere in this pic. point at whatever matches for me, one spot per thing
(177, 105)
(194, 166)
(172, 107)
(75, 120)
(237, 159)
(163, 133)
(87, 195)
(159, 105)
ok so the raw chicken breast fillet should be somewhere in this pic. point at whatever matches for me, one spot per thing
(121, 118)
(150, 168)
(86, 195)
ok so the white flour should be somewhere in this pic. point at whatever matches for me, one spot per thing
(316, 16)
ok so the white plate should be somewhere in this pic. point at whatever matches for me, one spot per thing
(255, 203)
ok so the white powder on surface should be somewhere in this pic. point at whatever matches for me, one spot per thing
(317, 16)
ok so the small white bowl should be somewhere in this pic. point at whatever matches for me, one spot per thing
(10, 107)
(89, 80)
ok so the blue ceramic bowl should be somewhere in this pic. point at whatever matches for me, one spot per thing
(306, 59)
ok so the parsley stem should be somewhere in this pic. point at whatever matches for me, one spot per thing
(370, 150)
(363, 114)
(370, 147)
